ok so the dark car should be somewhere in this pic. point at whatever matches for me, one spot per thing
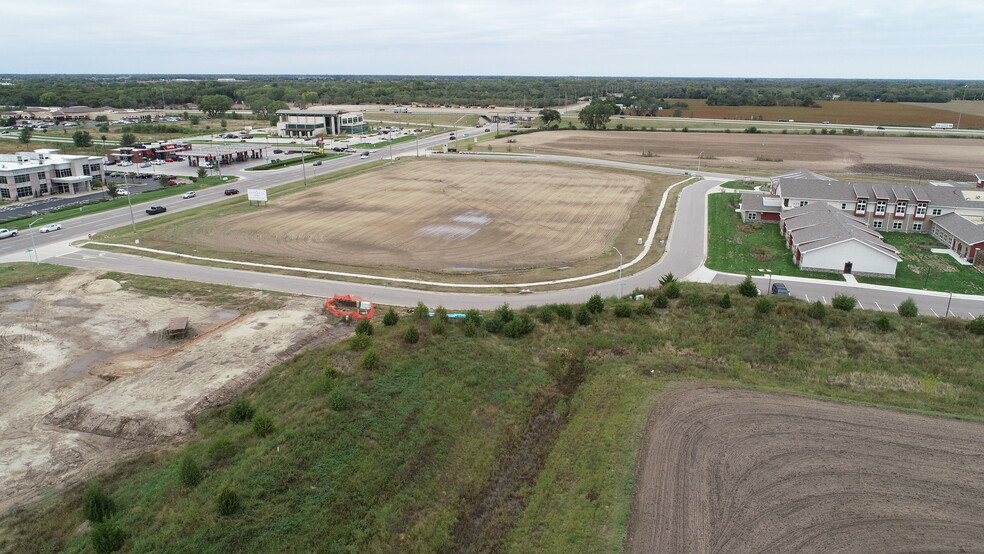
(154, 210)
(880, 128)
(278, 151)
(317, 162)
(780, 289)
(230, 192)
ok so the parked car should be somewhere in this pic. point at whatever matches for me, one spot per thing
(350, 150)
(230, 192)
(170, 160)
(189, 194)
(122, 192)
(278, 151)
(145, 164)
(154, 210)
(780, 289)
(157, 162)
(49, 228)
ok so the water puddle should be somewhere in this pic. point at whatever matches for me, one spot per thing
(21, 306)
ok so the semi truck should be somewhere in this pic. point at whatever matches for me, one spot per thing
(943, 126)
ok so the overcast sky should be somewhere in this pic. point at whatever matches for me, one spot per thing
(942, 39)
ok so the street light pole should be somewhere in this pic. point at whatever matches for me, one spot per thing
(619, 269)
(304, 165)
(34, 246)
(948, 305)
(962, 98)
(698, 161)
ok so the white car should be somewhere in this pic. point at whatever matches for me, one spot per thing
(49, 228)
(189, 194)
(157, 162)
(122, 192)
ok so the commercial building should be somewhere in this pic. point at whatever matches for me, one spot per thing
(313, 123)
(148, 151)
(43, 172)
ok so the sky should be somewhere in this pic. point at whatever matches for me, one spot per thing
(878, 39)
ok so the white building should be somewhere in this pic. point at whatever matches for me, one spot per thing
(43, 172)
(313, 123)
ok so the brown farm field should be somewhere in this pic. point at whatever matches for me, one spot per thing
(484, 219)
(731, 470)
(769, 154)
(840, 111)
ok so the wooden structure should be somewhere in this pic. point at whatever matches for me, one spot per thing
(177, 328)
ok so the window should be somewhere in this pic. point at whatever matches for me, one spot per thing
(22, 178)
(862, 205)
(917, 226)
(4, 192)
(900, 208)
(42, 176)
(3, 180)
(63, 173)
(920, 209)
(752, 216)
(803, 202)
(43, 189)
(844, 205)
(937, 211)
(880, 207)
(24, 191)
(896, 225)
(877, 224)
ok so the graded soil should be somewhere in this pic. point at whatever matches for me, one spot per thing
(731, 470)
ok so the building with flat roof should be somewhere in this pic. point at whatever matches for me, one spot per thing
(313, 123)
(143, 152)
(42, 172)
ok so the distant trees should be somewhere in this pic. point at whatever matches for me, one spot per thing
(549, 116)
(128, 139)
(214, 104)
(25, 135)
(597, 114)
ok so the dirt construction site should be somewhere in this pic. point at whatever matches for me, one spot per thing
(88, 377)
(731, 470)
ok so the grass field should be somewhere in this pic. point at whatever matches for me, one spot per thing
(414, 119)
(535, 438)
(747, 248)
(922, 269)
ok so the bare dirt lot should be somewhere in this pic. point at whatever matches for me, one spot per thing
(435, 215)
(87, 378)
(768, 153)
(729, 470)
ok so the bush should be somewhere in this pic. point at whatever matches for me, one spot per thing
(364, 327)
(221, 449)
(747, 288)
(228, 502)
(976, 325)
(202, 173)
(844, 302)
(472, 316)
(623, 309)
(371, 360)
(441, 313)
(519, 327)
(97, 506)
(595, 304)
(883, 323)
(644, 308)
(672, 290)
(360, 342)
(411, 336)
(107, 537)
(817, 310)
(764, 305)
(504, 313)
(666, 279)
(583, 316)
(494, 325)
(545, 314)
(661, 302)
(391, 318)
(263, 425)
(438, 326)
(725, 301)
(693, 300)
(241, 410)
(189, 471)
(421, 313)
(908, 308)
(564, 311)
(469, 329)
(339, 400)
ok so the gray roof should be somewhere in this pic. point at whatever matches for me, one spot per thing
(311, 112)
(820, 225)
(752, 202)
(847, 191)
(960, 227)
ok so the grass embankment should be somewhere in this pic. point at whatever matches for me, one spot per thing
(747, 248)
(421, 119)
(233, 298)
(23, 273)
(72, 212)
(390, 458)
(922, 269)
(295, 161)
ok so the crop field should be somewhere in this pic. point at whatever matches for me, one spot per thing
(768, 154)
(432, 216)
(858, 113)
(727, 470)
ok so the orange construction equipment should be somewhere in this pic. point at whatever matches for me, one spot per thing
(352, 306)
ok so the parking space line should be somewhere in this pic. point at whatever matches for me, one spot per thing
(878, 307)
(934, 312)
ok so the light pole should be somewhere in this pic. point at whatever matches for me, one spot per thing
(962, 98)
(34, 246)
(620, 283)
(948, 305)
(769, 286)
(698, 161)
(304, 165)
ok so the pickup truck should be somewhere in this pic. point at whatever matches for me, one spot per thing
(4, 233)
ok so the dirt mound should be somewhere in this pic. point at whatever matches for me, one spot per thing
(727, 470)
(101, 286)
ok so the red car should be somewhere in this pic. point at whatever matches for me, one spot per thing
(230, 192)
(170, 160)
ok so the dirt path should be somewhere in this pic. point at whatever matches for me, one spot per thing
(86, 378)
(729, 470)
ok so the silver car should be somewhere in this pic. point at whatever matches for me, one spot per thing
(49, 228)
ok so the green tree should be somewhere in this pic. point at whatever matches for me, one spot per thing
(25, 135)
(583, 316)
(364, 327)
(107, 537)
(549, 116)
(202, 172)
(82, 138)
(128, 139)
(908, 308)
(214, 104)
(391, 318)
(817, 310)
(412, 335)
(371, 360)
(194, 120)
(421, 312)
(726, 301)
(595, 304)
(190, 473)
(310, 97)
(597, 114)
(97, 506)
(747, 288)
(112, 189)
(661, 302)
(163, 180)
(976, 325)
(844, 302)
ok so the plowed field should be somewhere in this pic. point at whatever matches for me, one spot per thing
(726, 470)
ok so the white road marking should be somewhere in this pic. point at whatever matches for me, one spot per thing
(879, 307)
(81, 259)
(934, 312)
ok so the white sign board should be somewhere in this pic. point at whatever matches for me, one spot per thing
(256, 195)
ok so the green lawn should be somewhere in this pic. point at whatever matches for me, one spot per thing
(747, 248)
(922, 269)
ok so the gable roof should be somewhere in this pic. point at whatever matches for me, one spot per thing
(820, 225)
(960, 227)
(753, 202)
(848, 191)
